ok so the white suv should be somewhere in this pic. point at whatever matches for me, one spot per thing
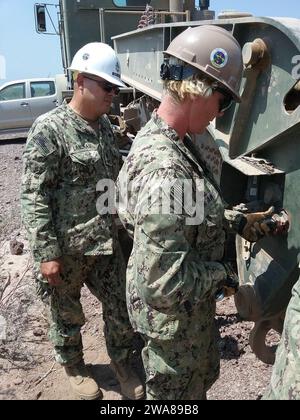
(22, 101)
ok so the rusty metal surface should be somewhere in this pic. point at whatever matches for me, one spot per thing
(255, 166)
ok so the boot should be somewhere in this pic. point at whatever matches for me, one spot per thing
(131, 386)
(82, 384)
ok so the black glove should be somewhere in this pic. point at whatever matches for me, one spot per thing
(230, 285)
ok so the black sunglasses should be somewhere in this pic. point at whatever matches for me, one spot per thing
(108, 87)
(225, 103)
(227, 100)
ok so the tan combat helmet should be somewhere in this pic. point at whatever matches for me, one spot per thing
(213, 51)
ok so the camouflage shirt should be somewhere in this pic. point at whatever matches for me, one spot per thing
(63, 161)
(174, 270)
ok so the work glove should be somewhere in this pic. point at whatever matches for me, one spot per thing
(257, 225)
(230, 285)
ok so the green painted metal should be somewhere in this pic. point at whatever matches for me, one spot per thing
(86, 21)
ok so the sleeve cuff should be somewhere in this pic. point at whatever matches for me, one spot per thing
(46, 254)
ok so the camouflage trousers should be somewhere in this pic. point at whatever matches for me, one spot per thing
(105, 278)
(177, 369)
(285, 380)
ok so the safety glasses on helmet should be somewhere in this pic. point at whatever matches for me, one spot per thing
(108, 87)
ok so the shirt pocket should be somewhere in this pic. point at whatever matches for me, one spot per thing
(84, 166)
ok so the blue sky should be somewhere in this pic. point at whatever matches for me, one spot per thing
(24, 53)
(287, 8)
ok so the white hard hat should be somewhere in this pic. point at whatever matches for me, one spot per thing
(100, 60)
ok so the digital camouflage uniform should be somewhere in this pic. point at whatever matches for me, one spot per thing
(174, 270)
(63, 161)
(285, 380)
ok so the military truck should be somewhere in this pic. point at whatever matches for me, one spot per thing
(254, 146)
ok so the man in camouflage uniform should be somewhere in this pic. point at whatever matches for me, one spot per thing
(175, 270)
(68, 151)
(285, 380)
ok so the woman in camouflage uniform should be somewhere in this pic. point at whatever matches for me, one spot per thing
(175, 269)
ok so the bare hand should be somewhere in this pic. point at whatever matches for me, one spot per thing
(51, 270)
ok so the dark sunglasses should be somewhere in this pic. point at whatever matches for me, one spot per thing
(108, 87)
(225, 103)
(227, 100)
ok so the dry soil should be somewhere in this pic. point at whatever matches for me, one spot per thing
(28, 369)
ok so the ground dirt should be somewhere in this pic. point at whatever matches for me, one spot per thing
(28, 369)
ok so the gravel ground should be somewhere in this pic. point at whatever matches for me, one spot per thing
(26, 361)
(10, 175)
